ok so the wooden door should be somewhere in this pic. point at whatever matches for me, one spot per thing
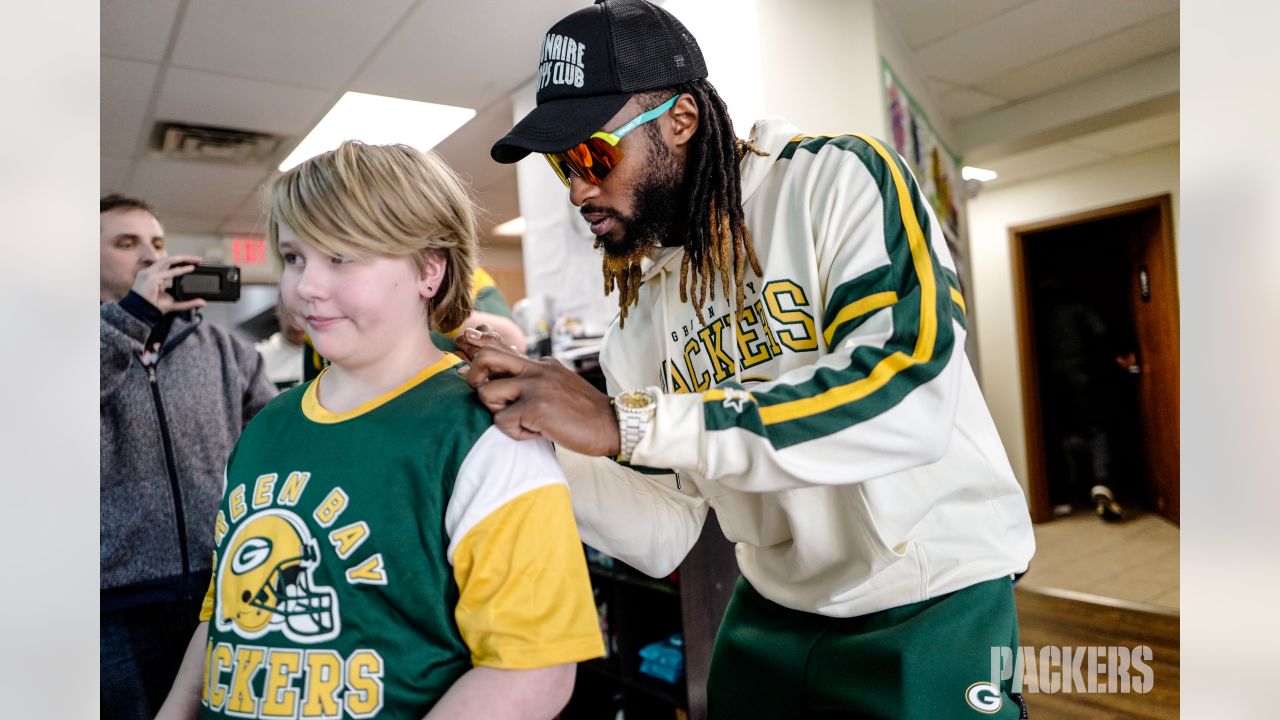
(1154, 291)
(1155, 313)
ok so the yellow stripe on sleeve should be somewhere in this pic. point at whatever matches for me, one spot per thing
(958, 299)
(524, 596)
(859, 308)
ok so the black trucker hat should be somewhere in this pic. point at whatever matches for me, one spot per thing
(589, 65)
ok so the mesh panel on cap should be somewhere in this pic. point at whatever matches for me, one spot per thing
(652, 49)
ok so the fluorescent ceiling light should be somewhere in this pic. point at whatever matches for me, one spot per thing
(511, 227)
(380, 120)
(977, 173)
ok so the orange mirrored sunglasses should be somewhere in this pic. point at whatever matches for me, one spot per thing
(594, 159)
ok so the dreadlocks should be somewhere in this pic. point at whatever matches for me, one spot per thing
(717, 243)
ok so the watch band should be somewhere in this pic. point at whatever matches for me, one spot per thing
(635, 411)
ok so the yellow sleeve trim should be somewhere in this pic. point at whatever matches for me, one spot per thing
(316, 412)
(206, 606)
(859, 308)
(890, 366)
(958, 299)
(524, 596)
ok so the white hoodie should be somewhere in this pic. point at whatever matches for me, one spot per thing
(837, 430)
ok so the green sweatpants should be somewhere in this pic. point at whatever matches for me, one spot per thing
(930, 659)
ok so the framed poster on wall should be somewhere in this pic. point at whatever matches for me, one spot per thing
(937, 169)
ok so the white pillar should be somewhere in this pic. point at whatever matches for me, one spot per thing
(820, 64)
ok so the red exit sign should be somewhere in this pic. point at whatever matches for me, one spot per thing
(248, 251)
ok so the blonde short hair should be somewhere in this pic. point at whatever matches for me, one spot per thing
(389, 200)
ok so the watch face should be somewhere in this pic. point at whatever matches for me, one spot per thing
(633, 401)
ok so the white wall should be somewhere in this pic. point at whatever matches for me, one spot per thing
(820, 64)
(992, 213)
(730, 50)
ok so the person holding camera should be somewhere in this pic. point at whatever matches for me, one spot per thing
(175, 393)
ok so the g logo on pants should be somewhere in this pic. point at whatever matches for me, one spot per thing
(983, 697)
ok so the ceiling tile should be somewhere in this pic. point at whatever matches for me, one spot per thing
(924, 21)
(499, 203)
(112, 174)
(468, 147)
(938, 87)
(244, 226)
(1133, 137)
(249, 217)
(189, 225)
(1117, 50)
(962, 103)
(419, 59)
(209, 99)
(1028, 33)
(307, 43)
(204, 190)
(137, 29)
(126, 90)
(1042, 161)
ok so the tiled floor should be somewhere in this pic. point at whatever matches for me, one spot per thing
(1135, 561)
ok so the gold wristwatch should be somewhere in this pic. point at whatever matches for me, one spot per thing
(635, 410)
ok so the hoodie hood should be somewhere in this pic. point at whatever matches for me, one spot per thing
(660, 260)
(770, 134)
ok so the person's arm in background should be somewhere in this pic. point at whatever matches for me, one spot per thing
(491, 309)
(127, 324)
(258, 388)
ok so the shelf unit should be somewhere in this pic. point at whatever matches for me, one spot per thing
(640, 610)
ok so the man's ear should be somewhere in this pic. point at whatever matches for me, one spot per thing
(434, 266)
(684, 119)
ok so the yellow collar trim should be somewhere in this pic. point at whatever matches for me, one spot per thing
(315, 412)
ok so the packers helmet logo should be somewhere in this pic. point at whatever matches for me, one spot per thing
(251, 554)
(983, 697)
(266, 581)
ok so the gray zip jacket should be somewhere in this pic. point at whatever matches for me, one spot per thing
(168, 423)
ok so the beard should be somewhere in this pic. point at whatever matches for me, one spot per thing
(657, 198)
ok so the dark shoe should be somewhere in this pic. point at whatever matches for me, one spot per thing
(1105, 505)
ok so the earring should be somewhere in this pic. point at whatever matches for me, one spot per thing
(430, 289)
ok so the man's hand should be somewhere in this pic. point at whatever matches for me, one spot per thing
(152, 282)
(533, 398)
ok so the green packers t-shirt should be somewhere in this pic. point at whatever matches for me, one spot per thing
(365, 560)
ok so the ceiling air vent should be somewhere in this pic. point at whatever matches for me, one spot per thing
(213, 144)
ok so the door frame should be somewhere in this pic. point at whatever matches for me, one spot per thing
(1032, 408)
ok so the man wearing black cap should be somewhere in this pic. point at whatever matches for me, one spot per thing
(789, 352)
